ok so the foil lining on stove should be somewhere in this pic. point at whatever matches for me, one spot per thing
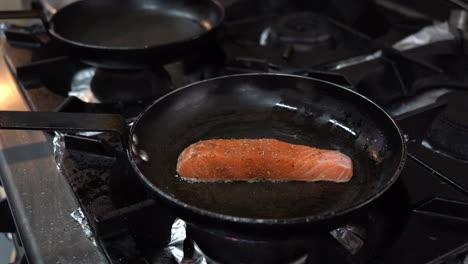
(79, 217)
(350, 237)
(427, 35)
(176, 245)
(59, 151)
(81, 86)
(355, 60)
(430, 34)
(416, 102)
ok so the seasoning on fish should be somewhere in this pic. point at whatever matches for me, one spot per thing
(261, 159)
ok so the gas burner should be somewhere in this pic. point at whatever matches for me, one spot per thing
(369, 235)
(303, 31)
(99, 85)
(448, 133)
(234, 248)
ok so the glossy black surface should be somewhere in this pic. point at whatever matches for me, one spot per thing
(135, 24)
(132, 34)
(290, 108)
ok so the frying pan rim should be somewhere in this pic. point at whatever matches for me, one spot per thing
(268, 221)
(58, 36)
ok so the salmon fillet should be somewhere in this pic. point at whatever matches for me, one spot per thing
(261, 159)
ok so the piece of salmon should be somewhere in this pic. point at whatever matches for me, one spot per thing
(261, 159)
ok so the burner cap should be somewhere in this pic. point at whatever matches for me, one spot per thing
(449, 131)
(304, 31)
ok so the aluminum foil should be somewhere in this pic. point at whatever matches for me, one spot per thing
(430, 34)
(178, 235)
(59, 150)
(81, 86)
(416, 102)
(176, 245)
(79, 217)
(2, 193)
(355, 60)
(351, 237)
(264, 36)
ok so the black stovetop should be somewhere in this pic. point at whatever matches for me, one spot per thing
(422, 219)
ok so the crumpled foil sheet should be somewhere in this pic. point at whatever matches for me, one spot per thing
(79, 217)
(178, 235)
(349, 237)
(355, 60)
(176, 245)
(430, 34)
(81, 85)
(59, 150)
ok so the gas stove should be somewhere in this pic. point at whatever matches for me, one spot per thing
(74, 201)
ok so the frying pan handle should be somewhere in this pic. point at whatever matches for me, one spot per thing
(64, 122)
(20, 14)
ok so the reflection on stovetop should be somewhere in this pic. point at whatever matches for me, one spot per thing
(422, 219)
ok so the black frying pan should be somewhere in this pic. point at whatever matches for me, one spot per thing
(290, 108)
(131, 33)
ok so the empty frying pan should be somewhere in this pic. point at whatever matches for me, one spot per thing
(131, 33)
(290, 108)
